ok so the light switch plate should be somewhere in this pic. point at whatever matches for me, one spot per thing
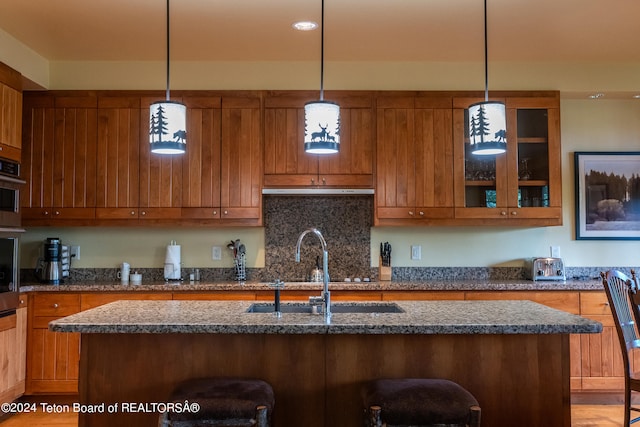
(216, 253)
(555, 251)
(416, 252)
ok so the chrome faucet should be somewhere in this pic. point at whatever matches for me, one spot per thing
(325, 298)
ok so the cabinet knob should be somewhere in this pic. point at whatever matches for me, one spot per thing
(57, 213)
(133, 213)
(143, 213)
(215, 213)
(411, 213)
(324, 181)
(421, 213)
(313, 181)
(45, 213)
(226, 212)
(503, 213)
(21, 301)
(55, 305)
(514, 213)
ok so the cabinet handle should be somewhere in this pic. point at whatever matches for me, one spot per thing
(55, 305)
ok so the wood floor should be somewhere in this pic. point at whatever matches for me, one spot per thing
(581, 415)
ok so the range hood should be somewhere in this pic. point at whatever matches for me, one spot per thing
(317, 191)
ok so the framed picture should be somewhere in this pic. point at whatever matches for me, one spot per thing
(607, 195)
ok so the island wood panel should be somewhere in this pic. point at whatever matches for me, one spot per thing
(422, 295)
(216, 295)
(317, 378)
(517, 379)
(566, 301)
(146, 367)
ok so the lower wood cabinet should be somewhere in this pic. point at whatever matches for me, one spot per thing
(53, 357)
(13, 353)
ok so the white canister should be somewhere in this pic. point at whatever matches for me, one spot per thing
(136, 278)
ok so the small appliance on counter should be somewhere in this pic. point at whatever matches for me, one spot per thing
(54, 266)
(545, 269)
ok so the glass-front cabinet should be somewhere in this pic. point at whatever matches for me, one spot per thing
(522, 185)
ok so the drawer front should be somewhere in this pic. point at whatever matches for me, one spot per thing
(54, 304)
(594, 303)
(95, 300)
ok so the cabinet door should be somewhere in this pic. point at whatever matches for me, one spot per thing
(10, 122)
(10, 113)
(353, 166)
(60, 158)
(396, 173)
(241, 160)
(286, 164)
(13, 339)
(201, 168)
(414, 160)
(118, 157)
(521, 185)
(160, 175)
(53, 356)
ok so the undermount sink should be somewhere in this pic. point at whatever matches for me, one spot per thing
(335, 308)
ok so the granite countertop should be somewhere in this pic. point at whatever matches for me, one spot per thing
(431, 285)
(419, 317)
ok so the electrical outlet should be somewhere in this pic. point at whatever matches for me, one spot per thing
(555, 251)
(416, 252)
(75, 252)
(216, 253)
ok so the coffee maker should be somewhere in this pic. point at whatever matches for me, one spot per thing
(50, 267)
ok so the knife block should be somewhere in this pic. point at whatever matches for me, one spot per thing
(384, 272)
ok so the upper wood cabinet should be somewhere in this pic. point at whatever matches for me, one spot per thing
(414, 181)
(10, 113)
(286, 164)
(223, 165)
(59, 158)
(522, 186)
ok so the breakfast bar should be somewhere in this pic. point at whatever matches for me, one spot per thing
(513, 356)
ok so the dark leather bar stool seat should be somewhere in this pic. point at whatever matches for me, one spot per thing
(223, 402)
(419, 402)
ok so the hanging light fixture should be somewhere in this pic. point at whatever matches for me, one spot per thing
(487, 120)
(321, 118)
(168, 120)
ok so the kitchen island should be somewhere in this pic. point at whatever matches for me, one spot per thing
(512, 355)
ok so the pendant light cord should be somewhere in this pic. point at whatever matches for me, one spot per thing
(321, 52)
(486, 61)
(167, 50)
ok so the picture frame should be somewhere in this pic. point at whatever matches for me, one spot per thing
(607, 195)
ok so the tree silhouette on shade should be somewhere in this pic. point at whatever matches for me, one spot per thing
(482, 124)
(473, 129)
(159, 123)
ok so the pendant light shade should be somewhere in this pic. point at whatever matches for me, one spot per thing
(322, 118)
(168, 120)
(321, 127)
(488, 119)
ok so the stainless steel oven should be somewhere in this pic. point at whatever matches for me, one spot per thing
(10, 232)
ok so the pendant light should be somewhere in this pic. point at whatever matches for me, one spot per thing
(487, 120)
(321, 118)
(168, 120)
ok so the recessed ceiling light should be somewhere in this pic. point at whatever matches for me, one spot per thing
(596, 96)
(305, 25)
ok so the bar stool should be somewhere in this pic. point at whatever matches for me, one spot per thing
(222, 402)
(419, 402)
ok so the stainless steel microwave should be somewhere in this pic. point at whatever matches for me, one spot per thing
(10, 186)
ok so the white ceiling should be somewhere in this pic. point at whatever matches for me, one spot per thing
(356, 30)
